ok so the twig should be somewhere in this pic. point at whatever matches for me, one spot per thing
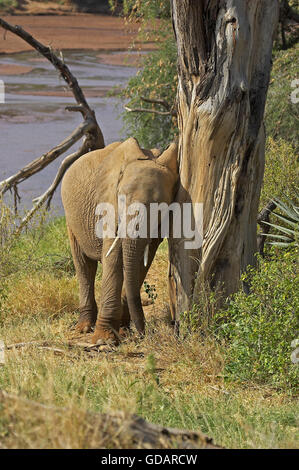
(264, 216)
(219, 390)
(48, 194)
(55, 351)
(40, 163)
(157, 101)
(24, 344)
(145, 110)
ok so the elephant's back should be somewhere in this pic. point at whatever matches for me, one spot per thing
(81, 190)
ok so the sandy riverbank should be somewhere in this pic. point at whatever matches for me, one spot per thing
(78, 31)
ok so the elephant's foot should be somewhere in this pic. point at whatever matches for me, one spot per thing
(86, 322)
(125, 332)
(105, 336)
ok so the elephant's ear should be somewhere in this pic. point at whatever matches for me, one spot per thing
(132, 151)
(169, 158)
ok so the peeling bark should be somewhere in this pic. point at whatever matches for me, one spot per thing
(224, 63)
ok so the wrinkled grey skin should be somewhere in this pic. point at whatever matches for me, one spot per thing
(101, 176)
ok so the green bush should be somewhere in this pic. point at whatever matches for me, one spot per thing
(157, 76)
(156, 80)
(145, 9)
(7, 5)
(281, 114)
(260, 327)
(281, 171)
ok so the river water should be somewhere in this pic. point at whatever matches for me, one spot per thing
(33, 118)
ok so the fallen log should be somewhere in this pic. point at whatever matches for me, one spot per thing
(110, 430)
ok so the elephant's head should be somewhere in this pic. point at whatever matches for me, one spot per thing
(145, 180)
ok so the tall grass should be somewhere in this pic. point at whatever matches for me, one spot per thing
(178, 382)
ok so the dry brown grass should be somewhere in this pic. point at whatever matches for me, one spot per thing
(42, 294)
(170, 381)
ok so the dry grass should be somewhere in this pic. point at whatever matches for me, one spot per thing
(42, 294)
(169, 381)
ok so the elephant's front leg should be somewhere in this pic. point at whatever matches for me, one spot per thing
(86, 269)
(108, 322)
(143, 270)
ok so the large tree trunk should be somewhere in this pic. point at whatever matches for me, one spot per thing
(224, 63)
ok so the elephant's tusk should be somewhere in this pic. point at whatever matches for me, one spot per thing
(146, 255)
(112, 246)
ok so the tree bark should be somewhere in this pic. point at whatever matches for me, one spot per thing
(224, 63)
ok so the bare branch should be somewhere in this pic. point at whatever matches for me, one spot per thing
(65, 73)
(264, 216)
(47, 52)
(171, 111)
(24, 344)
(144, 110)
(40, 163)
(47, 196)
(157, 101)
(89, 128)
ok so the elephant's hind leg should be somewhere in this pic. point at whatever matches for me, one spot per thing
(86, 269)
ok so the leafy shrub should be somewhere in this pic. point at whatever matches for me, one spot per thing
(281, 171)
(146, 9)
(200, 318)
(281, 114)
(287, 227)
(157, 77)
(261, 326)
(156, 80)
(8, 5)
(150, 290)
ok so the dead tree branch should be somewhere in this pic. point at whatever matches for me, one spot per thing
(170, 110)
(264, 216)
(145, 110)
(156, 101)
(47, 52)
(89, 129)
(40, 163)
(48, 194)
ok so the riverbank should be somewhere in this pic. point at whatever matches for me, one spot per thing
(33, 118)
(54, 7)
(102, 33)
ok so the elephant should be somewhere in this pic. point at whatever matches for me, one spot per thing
(101, 176)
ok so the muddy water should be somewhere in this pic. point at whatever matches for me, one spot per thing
(33, 118)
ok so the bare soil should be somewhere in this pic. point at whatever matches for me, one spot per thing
(77, 31)
(14, 69)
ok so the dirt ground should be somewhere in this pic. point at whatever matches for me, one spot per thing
(76, 31)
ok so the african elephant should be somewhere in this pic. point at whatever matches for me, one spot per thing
(100, 176)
